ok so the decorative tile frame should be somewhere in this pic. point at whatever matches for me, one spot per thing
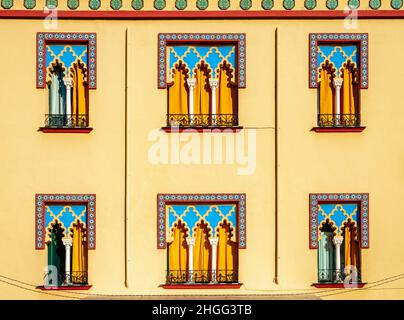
(238, 39)
(41, 200)
(362, 199)
(164, 199)
(360, 39)
(43, 38)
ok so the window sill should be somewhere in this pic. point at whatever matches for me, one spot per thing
(78, 287)
(337, 129)
(202, 286)
(65, 130)
(202, 129)
(339, 285)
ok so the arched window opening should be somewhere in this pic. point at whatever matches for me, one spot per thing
(68, 96)
(338, 82)
(202, 243)
(202, 86)
(338, 244)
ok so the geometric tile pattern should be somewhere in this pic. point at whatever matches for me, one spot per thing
(192, 55)
(337, 55)
(337, 214)
(191, 215)
(66, 55)
(338, 208)
(66, 208)
(212, 46)
(191, 208)
(66, 215)
(338, 48)
(66, 48)
(213, 5)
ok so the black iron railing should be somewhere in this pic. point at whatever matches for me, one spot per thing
(347, 275)
(202, 120)
(66, 121)
(202, 276)
(66, 278)
(339, 120)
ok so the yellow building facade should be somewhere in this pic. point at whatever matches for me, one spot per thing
(258, 187)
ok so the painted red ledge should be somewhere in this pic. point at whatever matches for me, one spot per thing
(337, 129)
(64, 287)
(65, 130)
(212, 14)
(202, 129)
(339, 285)
(202, 286)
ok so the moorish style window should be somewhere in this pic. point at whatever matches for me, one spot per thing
(202, 74)
(339, 229)
(66, 67)
(338, 68)
(65, 227)
(202, 235)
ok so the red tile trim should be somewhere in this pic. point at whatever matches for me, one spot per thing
(193, 14)
(337, 129)
(65, 130)
(65, 288)
(338, 285)
(202, 286)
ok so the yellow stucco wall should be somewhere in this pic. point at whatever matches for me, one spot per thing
(34, 162)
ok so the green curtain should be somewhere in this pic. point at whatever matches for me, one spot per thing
(326, 254)
(56, 257)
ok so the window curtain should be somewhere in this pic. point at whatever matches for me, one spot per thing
(349, 106)
(351, 249)
(178, 255)
(79, 97)
(326, 93)
(226, 93)
(79, 254)
(326, 254)
(178, 94)
(202, 254)
(56, 256)
(227, 256)
(202, 92)
(57, 98)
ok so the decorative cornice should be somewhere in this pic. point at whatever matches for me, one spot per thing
(202, 5)
(42, 200)
(164, 199)
(199, 14)
(165, 39)
(202, 9)
(362, 199)
(45, 38)
(361, 39)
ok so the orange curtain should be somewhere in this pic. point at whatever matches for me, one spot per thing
(351, 248)
(227, 94)
(348, 106)
(178, 94)
(227, 256)
(79, 97)
(79, 254)
(202, 254)
(201, 92)
(178, 255)
(326, 93)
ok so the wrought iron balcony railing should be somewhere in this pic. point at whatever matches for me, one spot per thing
(350, 275)
(66, 278)
(202, 276)
(202, 120)
(339, 120)
(66, 121)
